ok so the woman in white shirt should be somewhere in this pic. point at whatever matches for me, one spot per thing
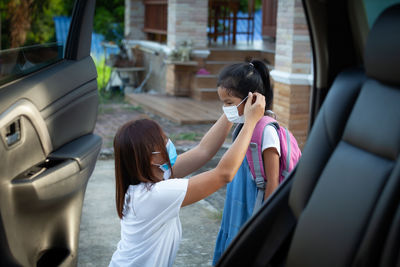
(148, 202)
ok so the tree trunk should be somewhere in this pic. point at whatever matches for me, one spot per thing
(20, 22)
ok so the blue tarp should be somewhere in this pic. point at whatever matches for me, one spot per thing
(97, 51)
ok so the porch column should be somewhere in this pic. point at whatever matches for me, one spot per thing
(134, 20)
(187, 20)
(293, 66)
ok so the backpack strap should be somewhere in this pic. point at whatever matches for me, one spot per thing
(257, 138)
(285, 138)
(285, 172)
(259, 179)
(255, 159)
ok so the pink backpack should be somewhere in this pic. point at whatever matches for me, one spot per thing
(290, 155)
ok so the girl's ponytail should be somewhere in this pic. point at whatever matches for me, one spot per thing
(260, 67)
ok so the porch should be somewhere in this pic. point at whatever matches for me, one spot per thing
(181, 110)
(190, 96)
(211, 34)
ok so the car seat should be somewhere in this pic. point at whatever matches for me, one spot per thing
(341, 207)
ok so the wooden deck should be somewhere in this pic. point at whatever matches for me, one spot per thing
(181, 110)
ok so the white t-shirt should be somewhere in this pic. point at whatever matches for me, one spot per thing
(271, 139)
(150, 228)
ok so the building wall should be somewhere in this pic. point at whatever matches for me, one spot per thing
(293, 67)
(187, 20)
(134, 20)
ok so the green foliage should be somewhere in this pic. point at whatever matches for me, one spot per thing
(103, 76)
(109, 19)
(42, 28)
(5, 25)
(103, 73)
(243, 4)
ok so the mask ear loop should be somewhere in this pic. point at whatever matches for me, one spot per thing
(242, 101)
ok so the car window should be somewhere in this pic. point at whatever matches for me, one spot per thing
(30, 36)
(373, 8)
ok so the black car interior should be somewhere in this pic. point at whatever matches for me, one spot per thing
(341, 207)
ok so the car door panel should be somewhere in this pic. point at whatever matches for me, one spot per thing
(48, 152)
(45, 190)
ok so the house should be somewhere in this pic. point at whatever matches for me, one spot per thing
(160, 27)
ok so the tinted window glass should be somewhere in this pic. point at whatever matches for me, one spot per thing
(29, 39)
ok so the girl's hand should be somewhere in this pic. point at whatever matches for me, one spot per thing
(254, 107)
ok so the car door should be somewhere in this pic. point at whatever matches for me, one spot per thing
(48, 110)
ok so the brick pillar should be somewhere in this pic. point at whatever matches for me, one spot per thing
(187, 19)
(134, 20)
(292, 78)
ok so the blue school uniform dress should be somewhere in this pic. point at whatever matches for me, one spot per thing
(241, 196)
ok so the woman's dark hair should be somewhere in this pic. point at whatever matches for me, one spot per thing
(242, 78)
(134, 143)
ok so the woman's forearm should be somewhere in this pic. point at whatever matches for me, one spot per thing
(215, 137)
(195, 158)
(232, 159)
(206, 183)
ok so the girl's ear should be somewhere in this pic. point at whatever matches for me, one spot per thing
(153, 158)
(241, 109)
(152, 161)
(156, 158)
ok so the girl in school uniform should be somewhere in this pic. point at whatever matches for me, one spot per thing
(234, 84)
(148, 200)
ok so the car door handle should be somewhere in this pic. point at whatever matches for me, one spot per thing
(13, 132)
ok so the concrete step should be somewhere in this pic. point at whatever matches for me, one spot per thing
(205, 81)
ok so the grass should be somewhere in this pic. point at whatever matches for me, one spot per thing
(133, 108)
(105, 110)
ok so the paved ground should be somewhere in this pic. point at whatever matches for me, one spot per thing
(112, 115)
(100, 230)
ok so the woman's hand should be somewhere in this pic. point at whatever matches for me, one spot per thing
(206, 183)
(253, 112)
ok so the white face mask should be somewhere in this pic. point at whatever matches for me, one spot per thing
(232, 113)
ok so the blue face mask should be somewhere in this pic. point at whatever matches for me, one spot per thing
(172, 158)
